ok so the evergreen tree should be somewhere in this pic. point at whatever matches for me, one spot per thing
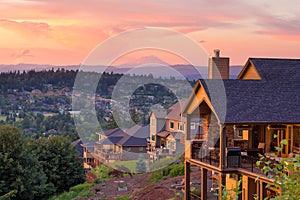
(20, 174)
(58, 156)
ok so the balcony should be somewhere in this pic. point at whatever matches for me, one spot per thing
(107, 155)
(201, 152)
(158, 153)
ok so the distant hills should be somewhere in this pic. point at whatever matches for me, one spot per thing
(157, 70)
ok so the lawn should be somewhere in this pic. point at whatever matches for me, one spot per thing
(3, 117)
(130, 164)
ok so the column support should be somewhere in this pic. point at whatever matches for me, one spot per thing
(222, 182)
(222, 161)
(187, 180)
(203, 183)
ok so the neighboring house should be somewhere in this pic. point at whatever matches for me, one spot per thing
(241, 122)
(88, 151)
(166, 132)
(85, 149)
(119, 145)
(78, 146)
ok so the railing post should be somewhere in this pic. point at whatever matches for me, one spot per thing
(203, 183)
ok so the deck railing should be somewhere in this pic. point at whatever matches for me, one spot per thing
(201, 152)
(107, 155)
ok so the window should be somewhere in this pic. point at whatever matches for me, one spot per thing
(241, 133)
(171, 125)
(171, 145)
(193, 126)
(181, 126)
(153, 137)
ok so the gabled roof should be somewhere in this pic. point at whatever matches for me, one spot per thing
(176, 135)
(110, 140)
(273, 99)
(159, 113)
(89, 144)
(163, 134)
(174, 112)
(260, 102)
(109, 132)
(135, 136)
(271, 69)
(78, 146)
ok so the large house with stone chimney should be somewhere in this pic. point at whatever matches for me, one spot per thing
(239, 119)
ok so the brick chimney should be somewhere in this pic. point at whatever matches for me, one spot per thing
(218, 67)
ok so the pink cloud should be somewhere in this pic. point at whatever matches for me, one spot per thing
(78, 26)
(29, 29)
(22, 54)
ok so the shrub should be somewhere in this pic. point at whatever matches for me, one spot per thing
(97, 180)
(125, 197)
(80, 187)
(177, 170)
(102, 172)
(87, 194)
(156, 176)
(166, 170)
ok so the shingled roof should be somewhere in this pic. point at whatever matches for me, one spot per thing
(175, 111)
(135, 136)
(274, 99)
(280, 69)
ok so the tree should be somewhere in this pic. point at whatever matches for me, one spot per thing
(20, 173)
(58, 156)
(285, 174)
(231, 194)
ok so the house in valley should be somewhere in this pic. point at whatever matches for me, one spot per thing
(120, 145)
(166, 132)
(239, 119)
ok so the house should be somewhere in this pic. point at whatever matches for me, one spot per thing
(85, 149)
(78, 146)
(242, 117)
(88, 151)
(119, 145)
(166, 132)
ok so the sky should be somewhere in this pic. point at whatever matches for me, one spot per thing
(64, 32)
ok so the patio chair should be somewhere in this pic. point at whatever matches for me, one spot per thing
(261, 148)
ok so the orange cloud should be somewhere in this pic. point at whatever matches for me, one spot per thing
(29, 29)
(63, 26)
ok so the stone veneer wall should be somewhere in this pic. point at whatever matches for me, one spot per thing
(229, 135)
(213, 130)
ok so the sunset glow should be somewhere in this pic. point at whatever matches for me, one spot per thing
(64, 32)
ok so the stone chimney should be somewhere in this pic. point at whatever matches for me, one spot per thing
(218, 67)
